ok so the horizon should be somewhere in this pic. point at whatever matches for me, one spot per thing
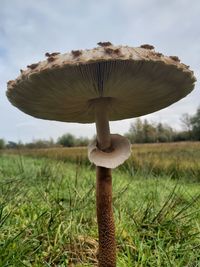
(182, 129)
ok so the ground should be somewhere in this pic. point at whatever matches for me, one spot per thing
(48, 216)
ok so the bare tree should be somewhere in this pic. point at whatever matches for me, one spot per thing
(186, 121)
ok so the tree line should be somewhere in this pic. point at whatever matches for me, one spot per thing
(66, 140)
(140, 131)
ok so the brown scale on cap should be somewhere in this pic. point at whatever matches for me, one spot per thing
(22, 73)
(187, 66)
(55, 65)
(159, 54)
(10, 82)
(111, 51)
(33, 66)
(147, 46)
(175, 58)
(104, 44)
(117, 51)
(52, 54)
(51, 59)
(76, 53)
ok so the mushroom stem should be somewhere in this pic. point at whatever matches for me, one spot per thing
(102, 124)
(105, 219)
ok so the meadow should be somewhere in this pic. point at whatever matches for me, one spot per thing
(48, 217)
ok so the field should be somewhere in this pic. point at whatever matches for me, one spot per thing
(48, 217)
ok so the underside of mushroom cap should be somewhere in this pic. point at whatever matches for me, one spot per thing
(137, 81)
(120, 151)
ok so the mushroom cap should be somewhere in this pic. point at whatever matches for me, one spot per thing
(65, 87)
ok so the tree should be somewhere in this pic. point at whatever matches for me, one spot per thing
(136, 131)
(39, 143)
(142, 132)
(81, 141)
(2, 144)
(67, 140)
(145, 132)
(186, 121)
(11, 145)
(195, 121)
(164, 133)
(149, 132)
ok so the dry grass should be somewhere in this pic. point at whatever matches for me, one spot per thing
(174, 159)
(48, 217)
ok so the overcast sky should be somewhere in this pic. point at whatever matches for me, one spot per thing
(29, 28)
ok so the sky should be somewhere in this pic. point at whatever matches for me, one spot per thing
(30, 28)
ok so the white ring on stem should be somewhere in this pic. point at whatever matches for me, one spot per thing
(120, 151)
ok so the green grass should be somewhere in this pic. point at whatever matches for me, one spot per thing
(177, 160)
(48, 217)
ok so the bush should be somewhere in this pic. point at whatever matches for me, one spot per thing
(67, 140)
(2, 144)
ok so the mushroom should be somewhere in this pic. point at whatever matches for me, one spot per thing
(99, 86)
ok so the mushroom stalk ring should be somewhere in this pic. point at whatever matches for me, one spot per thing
(108, 150)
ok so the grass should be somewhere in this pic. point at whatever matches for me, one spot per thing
(48, 217)
(177, 160)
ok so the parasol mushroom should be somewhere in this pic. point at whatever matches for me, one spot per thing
(105, 83)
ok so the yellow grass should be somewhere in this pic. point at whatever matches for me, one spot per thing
(175, 159)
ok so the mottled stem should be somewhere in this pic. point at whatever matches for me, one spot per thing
(105, 219)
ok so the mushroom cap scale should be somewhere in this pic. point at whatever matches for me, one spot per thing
(136, 81)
